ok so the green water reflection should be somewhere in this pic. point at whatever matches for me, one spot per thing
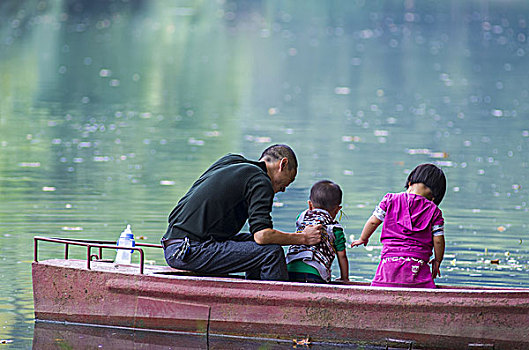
(110, 109)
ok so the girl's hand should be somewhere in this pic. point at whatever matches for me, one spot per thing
(436, 268)
(359, 242)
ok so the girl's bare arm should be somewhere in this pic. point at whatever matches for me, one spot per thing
(370, 227)
(439, 251)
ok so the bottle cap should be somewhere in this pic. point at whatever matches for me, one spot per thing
(127, 233)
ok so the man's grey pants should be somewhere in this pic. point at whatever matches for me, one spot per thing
(240, 254)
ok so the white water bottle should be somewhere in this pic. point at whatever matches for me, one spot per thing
(126, 239)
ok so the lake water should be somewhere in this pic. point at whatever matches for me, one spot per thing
(110, 109)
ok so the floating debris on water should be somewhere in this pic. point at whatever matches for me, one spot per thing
(342, 90)
(501, 228)
(495, 262)
(418, 151)
(348, 172)
(167, 182)
(105, 73)
(48, 188)
(72, 228)
(302, 342)
(258, 139)
(444, 163)
(428, 152)
(379, 133)
(29, 164)
(497, 113)
(346, 138)
(278, 204)
(214, 133)
(195, 142)
(273, 111)
(263, 139)
(443, 155)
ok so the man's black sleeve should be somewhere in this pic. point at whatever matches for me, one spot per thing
(259, 196)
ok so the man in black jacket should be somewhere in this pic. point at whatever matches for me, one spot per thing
(203, 233)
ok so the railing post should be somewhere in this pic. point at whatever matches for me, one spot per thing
(66, 246)
(35, 248)
(142, 261)
(88, 250)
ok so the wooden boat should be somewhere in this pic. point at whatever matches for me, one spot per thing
(148, 297)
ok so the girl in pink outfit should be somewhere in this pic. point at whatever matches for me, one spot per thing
(413, 227)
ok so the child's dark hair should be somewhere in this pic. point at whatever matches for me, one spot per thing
(326, 195)
(432, 176)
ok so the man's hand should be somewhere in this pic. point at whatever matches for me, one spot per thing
(312, 234)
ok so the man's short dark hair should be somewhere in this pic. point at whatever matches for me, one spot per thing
(278, 152)
(432, 176)
(326, 195)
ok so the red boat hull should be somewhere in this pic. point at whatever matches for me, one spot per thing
(160, 299)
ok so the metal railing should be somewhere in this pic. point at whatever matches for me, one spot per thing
(89, 244)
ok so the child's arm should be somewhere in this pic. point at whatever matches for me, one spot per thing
(344, 265)
(439, 251)
(370, 227)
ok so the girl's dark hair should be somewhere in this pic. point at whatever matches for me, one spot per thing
(431, 176)
(326, 195)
